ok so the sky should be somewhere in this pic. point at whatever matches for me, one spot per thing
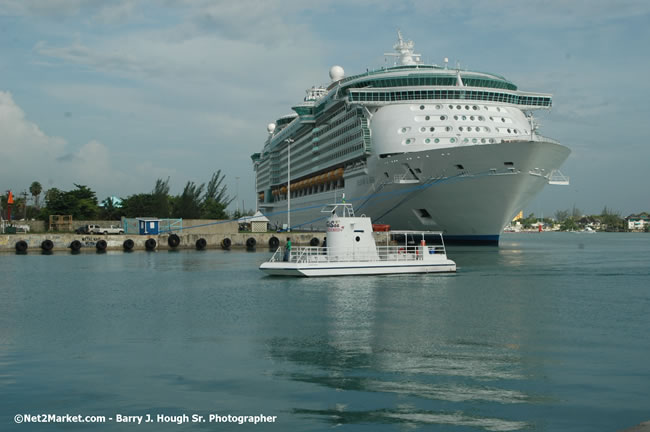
(116, 94)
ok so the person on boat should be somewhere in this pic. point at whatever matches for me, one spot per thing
(287, 251)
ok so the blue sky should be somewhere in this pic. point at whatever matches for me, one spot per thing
(115, 94)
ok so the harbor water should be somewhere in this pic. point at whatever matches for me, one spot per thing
(548, 332)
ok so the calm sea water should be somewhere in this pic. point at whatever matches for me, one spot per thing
(549, 332)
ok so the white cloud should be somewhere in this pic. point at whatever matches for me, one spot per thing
(28, 154)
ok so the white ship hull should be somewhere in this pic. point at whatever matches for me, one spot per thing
(469, 192)
(355, 269)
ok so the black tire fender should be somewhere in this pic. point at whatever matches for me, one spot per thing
(201, 244)
(226, 243)
(251, 242)
(128, 244)
(314, 242)
(21, 246)
(173, 240)
(101, 245)
(150, 244)
(274, 242)
(75, 245)
(47, 245)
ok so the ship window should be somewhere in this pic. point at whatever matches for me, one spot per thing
(448, 128)
(516, 131)
(453, 140)
(509, 164)
(432, 129)
(460, 128)
(492, 118)
(457, 106)
(443, 117)
(424, 213)
(464, 117)
(459, 166)
(437, 140)
(357, 238)
(386, 174)
(475, 108)
(509, 131)
(423, 129)
(427, 140)
(438, 106)
(466, 107)
(481, 118)
(491, 140)
(427, 118)
(455, 117)
(471, 117)
(474, 140)
(421, 107)
(451, 107)
(483, 140)
(503, 119)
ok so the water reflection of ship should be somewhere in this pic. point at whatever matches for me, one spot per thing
(420, 366)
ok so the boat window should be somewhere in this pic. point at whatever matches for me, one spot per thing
(459, 166)
(357, 238)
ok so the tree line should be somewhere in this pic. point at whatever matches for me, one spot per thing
(574, 220)
(197, 201)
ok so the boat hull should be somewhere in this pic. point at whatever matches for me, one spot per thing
(354, 269)
(469, 193)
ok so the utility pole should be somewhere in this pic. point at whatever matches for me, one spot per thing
(24, 194)
(288, 141)
(237, 193)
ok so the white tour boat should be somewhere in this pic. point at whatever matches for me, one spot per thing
(351, 250)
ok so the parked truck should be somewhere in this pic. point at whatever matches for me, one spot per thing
(96, 229)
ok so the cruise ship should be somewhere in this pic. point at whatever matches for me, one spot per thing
(413, 146)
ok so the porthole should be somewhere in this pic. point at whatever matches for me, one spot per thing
(460, 128)
(492, 118)
(423, 129)
(438, 106)
(508, 130)
(432, 129)
(466, 107)
(455, 117)
(471, 117)
(516, 131)
(474, 140)
(357, 238)
(498, 109)
(427, 118)
(427, 140)
(466, 140)
(448, 128)
(475, 108)
(451, 107)
(482, 140)
(503, 119)
(437, 140)
(404, 130)
(408, 141)
(421, 107)
(457, 106)
(453, 140)
(491, 140)
(464, 117)
(443, 117)
(481, 118)
(486, 129)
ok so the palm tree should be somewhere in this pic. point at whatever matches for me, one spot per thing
(35, 189)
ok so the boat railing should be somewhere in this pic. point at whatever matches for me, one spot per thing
(382, 253)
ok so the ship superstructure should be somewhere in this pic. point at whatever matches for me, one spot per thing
(416, 146)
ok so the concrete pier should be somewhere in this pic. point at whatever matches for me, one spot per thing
(62, 241)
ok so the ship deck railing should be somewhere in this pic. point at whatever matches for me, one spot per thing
(310, 254)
